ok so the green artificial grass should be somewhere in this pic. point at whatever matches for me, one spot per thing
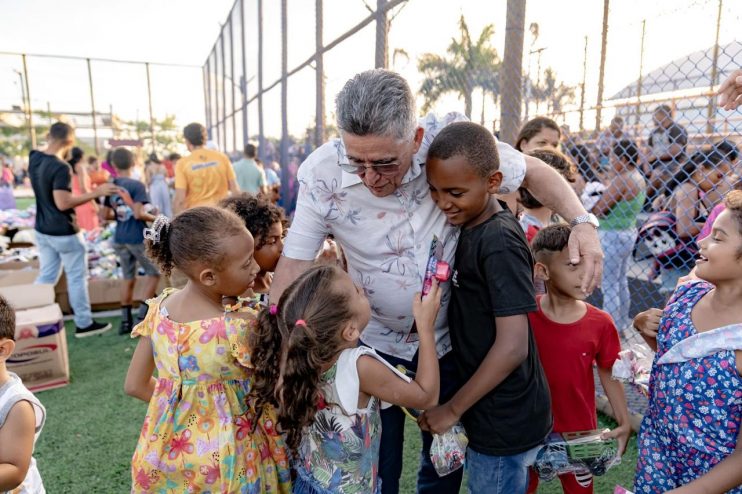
(92, 426)
(24, 202)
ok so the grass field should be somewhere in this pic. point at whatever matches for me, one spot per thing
(92, 426)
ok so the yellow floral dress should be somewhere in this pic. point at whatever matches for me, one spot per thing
(199, 434)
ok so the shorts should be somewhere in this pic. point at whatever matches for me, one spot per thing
(131, 254)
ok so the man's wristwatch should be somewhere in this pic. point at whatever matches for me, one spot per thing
(585, 218)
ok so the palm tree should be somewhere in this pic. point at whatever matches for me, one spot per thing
(469, 65)
(555, 94)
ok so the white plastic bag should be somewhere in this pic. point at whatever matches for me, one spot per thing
(448, 450)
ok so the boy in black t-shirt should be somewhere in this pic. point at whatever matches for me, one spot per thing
(504, 403)
(127, 208)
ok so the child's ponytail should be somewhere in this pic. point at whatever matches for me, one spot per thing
(266, 342)
(157, 243)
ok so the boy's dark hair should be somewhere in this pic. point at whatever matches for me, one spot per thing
(60, 131)
(251, 151)
(533, 127)
(122, 158)
(555, 159)
(663, 108)
(258, 214)
(195, 235)
(7, 320)
(307, 347)
(627, 150)
(174, 157)
(195, 133)
(550, 240)
(471, 141)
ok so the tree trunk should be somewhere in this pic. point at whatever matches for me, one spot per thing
(512, 71)
(484, 97)
(468, 102)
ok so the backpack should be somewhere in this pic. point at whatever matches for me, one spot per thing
(658, 239)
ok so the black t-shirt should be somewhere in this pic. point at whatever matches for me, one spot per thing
(48, 173)
(493, 277)
(660, 140)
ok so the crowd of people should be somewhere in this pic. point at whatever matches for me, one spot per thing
(285, 362)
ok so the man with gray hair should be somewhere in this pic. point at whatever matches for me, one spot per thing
(369, 190)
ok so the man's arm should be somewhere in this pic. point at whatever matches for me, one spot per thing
(64, 199)
(286, 272)
(234, 189)
(554, 192)
(509, 350)
(179, 201)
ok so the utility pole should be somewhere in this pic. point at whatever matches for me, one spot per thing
(261, 130)
(319, 74)
(601, 76)
(149, 102)
(243, 81)
(284, 101)
(512, 71)
(381, 35)
(714, 74)
(31, 129)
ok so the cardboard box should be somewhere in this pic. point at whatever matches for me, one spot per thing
(40, 357)
(18, 277)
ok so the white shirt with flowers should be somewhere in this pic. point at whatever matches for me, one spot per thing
(386, 240)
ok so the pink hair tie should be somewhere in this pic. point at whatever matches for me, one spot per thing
(301, 322)
(273, 309)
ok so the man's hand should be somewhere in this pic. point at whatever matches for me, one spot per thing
(439, 419)
(106, 189)
(730, 92)
(622, 433)
(584, 247)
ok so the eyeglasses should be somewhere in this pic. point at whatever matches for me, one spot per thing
(360, 169)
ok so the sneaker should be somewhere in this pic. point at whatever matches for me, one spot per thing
(95, 328)
(126, 327)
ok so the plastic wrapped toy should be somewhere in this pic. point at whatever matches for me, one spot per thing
(448, 450)
(634, 366)
(584, 451)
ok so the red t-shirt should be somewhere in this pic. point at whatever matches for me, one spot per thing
(567, 353)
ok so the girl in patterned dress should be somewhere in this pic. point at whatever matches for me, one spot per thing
(201, 433)
(689, 437)
(329, 389)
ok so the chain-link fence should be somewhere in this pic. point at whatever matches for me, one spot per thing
(628, 94)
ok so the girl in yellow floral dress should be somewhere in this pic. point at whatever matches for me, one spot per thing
(201, 433)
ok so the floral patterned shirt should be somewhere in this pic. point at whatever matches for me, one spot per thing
(386, 240)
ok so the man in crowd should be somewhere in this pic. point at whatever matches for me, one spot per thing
(667, 143)
(369, 189)
(58, 236)
(607, 139)
(250, 177)
(204, 177)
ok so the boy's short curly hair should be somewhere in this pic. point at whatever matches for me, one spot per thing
(258, 214)
(550, 240)
(7, 320)
(472, 141)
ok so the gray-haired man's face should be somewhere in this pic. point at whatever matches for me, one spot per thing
(382, 161)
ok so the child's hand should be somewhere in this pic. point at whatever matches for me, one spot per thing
(439, 419)
(425, 309)
(622, 433)
(648, 322)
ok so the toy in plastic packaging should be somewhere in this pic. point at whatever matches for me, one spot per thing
(448, 450)
(621, 490)
(634, 366)
(436, 268)
(576, 452)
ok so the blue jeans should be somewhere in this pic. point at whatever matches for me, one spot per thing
(670, 278)
(392, 438)
(617, 247)
(499, 474)
(67, 251)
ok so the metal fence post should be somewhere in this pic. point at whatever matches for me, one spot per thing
(151, 115)
(207, 102)
(381, 35)
(639, 80)
(231, 75)
(31, 129)
(92, 106)
(512, 69)
(223, 117)
(261, 130)
(601, 75)
(243, 80)
(714, 74)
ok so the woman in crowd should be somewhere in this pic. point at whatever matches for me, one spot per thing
(87, 214)
(618, 208)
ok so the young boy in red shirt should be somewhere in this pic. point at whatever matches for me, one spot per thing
(570, 335)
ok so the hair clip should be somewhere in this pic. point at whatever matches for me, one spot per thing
(273, 309)
(301, 322)
(153, 234)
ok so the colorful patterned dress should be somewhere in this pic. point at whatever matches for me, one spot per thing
(198, 434)
(339, 451)
(695, 398)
